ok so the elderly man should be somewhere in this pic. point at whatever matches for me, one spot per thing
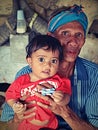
(69, 25)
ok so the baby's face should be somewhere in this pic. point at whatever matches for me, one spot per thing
(44, 63)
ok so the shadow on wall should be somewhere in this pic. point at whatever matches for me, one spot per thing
(4, 86)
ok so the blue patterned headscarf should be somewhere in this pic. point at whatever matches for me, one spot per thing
(75, 13)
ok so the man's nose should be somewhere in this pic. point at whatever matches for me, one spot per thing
(73, 41)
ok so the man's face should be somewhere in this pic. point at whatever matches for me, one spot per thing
(71, 36)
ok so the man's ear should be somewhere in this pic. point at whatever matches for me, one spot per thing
(29, 61)
(50, 34)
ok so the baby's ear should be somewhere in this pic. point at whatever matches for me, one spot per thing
(29, 61)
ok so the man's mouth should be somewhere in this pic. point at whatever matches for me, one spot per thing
(72, 52)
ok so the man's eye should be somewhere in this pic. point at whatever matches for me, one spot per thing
(41, 59)
(79, 35)
(54, 61)
(65, 33)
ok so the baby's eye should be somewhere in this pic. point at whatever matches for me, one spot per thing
(54, 61)
(41, 59)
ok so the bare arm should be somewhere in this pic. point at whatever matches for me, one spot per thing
(11, 102)
(61, 98)
(67, 114)
(73, 120)
(26, 113)
(17, 107)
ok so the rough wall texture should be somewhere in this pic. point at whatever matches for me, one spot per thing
(8, 68)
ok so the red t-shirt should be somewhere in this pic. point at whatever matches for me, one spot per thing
(22, 86)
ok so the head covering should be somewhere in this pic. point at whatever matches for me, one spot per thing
(75, 13)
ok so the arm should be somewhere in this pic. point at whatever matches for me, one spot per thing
(63, 93)
(24, 113)
(11, 102)
(67, 114)
(17, 107)
(61, 98)
(7, 112)
(73, 120)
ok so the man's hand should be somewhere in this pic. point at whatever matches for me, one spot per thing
(58, 96)
(53, 106)
(19, 107)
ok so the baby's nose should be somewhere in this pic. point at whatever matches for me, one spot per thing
(48, 64)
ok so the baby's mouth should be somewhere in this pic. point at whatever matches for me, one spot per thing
(46, 72)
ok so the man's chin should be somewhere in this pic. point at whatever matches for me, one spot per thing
(70, 59)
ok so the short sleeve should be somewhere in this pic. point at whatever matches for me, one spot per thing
(24, 70)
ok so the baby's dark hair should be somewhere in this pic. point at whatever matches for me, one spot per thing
(40, 41)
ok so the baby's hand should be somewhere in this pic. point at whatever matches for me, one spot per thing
(19, 107)
(47, 91)
(58, 96)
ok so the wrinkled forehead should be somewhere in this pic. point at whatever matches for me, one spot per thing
(74, 25)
